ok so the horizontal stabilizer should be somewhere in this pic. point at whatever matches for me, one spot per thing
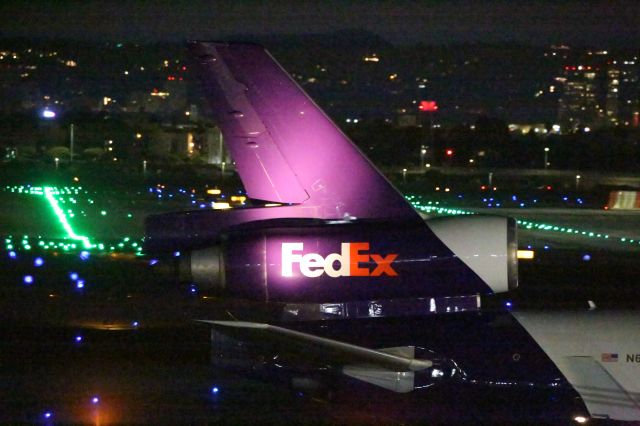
(396, 381)
(336, 352)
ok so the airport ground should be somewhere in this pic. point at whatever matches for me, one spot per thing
(128, 338)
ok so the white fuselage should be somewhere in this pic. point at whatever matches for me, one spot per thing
(599, 354)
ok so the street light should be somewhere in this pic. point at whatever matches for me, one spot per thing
(57, 160)
(546, 157)
(578, 177)
(423, 152)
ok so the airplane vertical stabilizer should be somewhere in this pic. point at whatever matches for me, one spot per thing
(285, 147)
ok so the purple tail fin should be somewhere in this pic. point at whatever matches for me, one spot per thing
(285, 148)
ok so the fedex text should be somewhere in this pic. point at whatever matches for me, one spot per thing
(347, 263)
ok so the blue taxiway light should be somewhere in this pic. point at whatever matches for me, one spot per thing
(95, 400)
(586, 257)
(73, 276)
(78, 339)
(80, 284)
(215, 390)
(38, 261)
(13, 254)
(28, 279)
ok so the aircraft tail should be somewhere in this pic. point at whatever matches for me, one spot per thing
(285, 147)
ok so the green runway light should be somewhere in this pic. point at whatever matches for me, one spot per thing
(56, 197)
(49, 194)
(433, 208)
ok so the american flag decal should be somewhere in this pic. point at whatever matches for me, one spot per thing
(609, 357)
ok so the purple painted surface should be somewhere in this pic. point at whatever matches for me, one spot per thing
(195, 229)
(285, 148)
(424, 266)
(288, 151)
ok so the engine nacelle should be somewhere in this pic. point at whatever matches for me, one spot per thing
(317, 261)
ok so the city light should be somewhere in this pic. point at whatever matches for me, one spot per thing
(48, 114)
(428, 106)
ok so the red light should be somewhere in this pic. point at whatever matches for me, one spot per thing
(184, 68)
(171, 78)
(548, 187)
(449, 152)
(428, 106)
(483, 187)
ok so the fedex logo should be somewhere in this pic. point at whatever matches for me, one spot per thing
(343, 264)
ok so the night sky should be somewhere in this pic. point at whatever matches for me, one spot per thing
(601, 23)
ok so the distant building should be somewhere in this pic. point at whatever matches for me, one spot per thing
(407, 120)
(605, 94)
(578, 105)
(526, 128)
(187, 140)
(623, 93)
